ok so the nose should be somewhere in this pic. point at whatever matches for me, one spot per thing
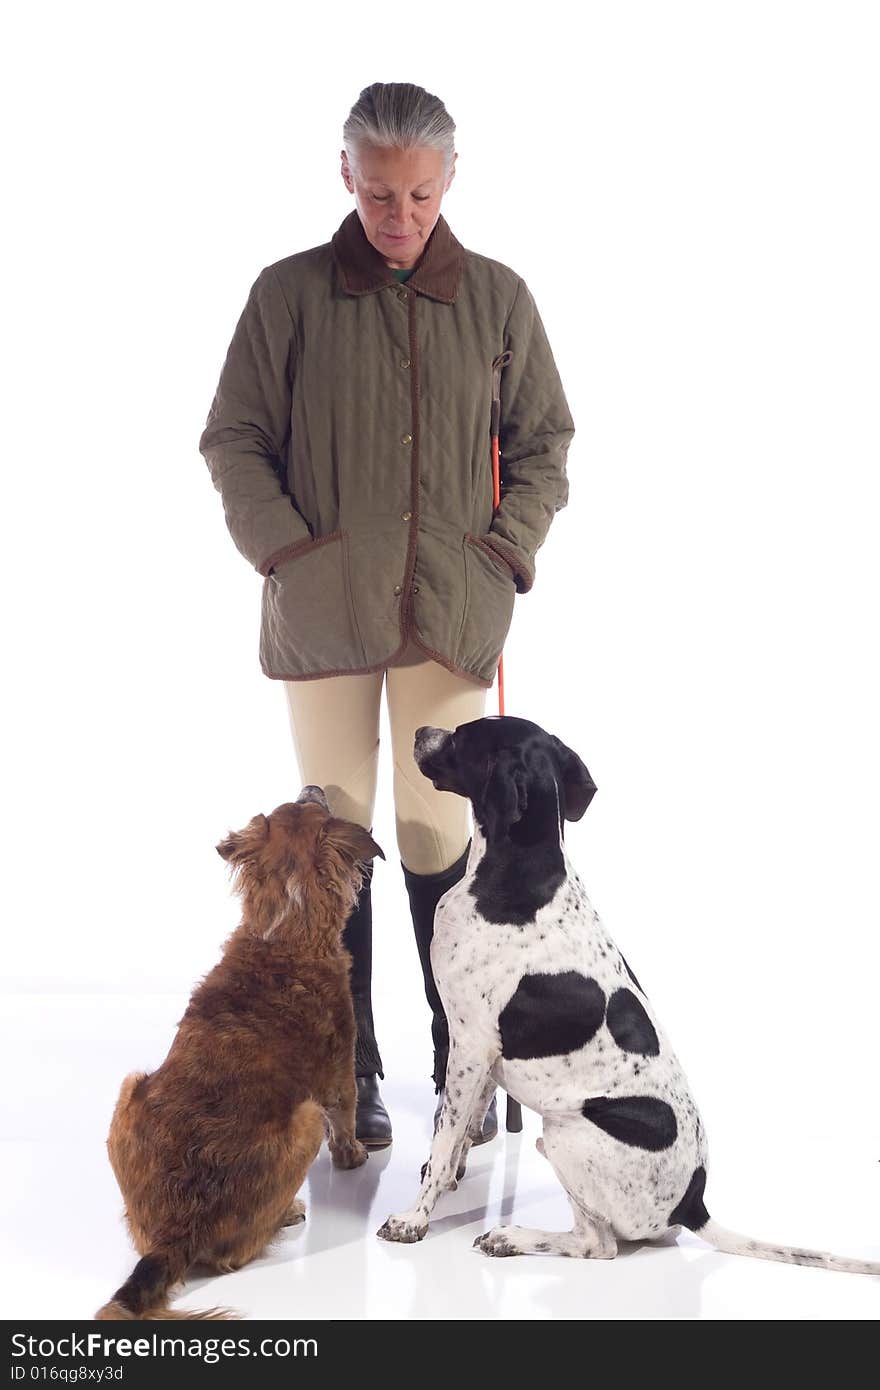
(429, 740)
(312, 793)
(398, 216)
(426, 733)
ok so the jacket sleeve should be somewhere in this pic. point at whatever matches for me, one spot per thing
(248, 426)
(536, 430)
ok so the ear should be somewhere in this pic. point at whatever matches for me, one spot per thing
(504, 797)
(352, 841)
(578, 787)
(241, 844)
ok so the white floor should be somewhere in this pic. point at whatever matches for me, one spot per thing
(66, 1250)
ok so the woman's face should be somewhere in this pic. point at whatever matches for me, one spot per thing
(397, 194)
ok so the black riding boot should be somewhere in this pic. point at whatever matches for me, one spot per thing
(425, 891)
(372, 1124)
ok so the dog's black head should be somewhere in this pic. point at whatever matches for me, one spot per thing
(510, 769)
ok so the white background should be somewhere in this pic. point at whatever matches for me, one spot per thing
(690, 191)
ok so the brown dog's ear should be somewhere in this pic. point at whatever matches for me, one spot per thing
(241, 844)
(578, 787)
(352, 841)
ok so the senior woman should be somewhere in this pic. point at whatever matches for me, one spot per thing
(349, 439)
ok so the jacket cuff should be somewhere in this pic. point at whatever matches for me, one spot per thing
(523, 572)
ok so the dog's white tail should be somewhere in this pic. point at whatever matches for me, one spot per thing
(691, 1212)
(732, 1243)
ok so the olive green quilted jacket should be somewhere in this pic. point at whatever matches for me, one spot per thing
(349, 438)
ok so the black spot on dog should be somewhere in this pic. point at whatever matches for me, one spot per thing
(513, 882)
(549, 1015)
(629, 1024)
(691, 1211)
(640, 1121)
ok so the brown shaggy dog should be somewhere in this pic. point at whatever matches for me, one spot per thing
(210, 1150)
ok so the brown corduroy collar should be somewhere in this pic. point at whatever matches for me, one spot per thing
(363, 270)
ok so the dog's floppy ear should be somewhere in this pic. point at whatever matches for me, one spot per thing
(504, 795)
(578, 787)
(241, 844)
(352, 841)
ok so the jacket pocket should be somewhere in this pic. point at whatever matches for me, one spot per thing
(308, 624)
(494, 556)
(488, 606)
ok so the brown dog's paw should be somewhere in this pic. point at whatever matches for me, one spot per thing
(348, 1155)
(296, 1212)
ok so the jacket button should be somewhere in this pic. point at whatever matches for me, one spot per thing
(398, 588)
(415, 588)
(406, 439)
(405, 362)
(406, 516)
(403, 294)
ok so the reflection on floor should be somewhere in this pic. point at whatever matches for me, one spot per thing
(66, 1248)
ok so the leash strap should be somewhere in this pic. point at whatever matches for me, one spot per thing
(514, 1109)
(497, 367)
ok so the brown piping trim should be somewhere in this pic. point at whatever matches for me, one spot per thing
(493, 554)
(516, 564)
(416, 638)
(287, 552)
(382, 665)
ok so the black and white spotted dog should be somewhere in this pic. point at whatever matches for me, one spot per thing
(541, 1002)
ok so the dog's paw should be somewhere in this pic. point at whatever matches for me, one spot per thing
(406, 1229)
(348, 1155)
(296, 1212)
(495, 1242)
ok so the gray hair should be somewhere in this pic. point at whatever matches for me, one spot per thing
(400, 115)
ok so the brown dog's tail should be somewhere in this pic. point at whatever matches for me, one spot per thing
(144, 1295)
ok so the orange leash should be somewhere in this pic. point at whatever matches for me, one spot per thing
(513, 1118)
(497, 366)
(496, 490)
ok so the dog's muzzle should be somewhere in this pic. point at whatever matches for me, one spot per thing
(428, 741)
(313, 793)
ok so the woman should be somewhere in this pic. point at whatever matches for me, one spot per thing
(349, 438)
